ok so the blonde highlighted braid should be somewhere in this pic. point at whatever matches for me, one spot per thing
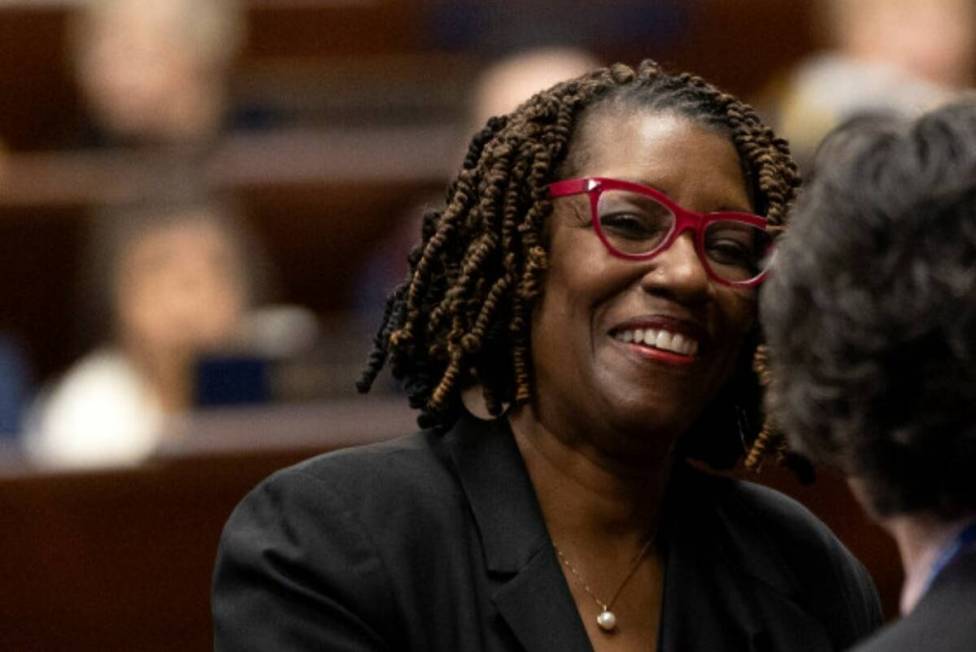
(463, 314)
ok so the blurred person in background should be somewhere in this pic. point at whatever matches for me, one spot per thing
(870, 315)
(512, 79)
(498, 89)
(895, 55)
(155, 72)
(172, 279)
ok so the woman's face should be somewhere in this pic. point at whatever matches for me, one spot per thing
(179, 289)
(591, 385)
(139, 70)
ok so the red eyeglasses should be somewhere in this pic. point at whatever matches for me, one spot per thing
(637, 222)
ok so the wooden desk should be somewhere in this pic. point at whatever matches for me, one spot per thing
(122, 559)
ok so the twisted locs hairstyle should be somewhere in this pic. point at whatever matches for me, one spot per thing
(463, 314)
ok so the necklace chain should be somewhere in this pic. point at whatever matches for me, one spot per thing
(605, 606)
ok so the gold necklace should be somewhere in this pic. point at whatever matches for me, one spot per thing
(607, 620)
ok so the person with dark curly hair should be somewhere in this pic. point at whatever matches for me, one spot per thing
(589, 290)
(871, 322)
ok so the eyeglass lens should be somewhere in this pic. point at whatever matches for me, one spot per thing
(636, 224)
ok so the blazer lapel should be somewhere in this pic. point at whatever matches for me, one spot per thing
(530, 591)
(538, 608)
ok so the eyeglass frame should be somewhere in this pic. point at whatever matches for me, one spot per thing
(684, 220)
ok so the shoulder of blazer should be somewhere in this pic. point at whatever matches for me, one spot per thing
(410, 470)
(756, 515)
(417, 474)
(942, 620)
(781, 543)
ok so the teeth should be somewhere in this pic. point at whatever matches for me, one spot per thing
(664, 341)
(660, 339)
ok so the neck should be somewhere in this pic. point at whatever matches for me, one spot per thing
(168, 373)
(921, 538)
(587, 496)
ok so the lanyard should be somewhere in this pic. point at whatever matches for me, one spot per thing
(959, 544)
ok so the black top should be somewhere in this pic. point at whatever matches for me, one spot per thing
(944, 620)
(436, 543)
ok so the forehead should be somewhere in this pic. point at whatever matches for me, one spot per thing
(668, 151)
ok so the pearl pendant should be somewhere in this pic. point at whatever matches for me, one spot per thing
(606, 620)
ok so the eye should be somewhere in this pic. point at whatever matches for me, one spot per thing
(633, 220)
(633, 225)
(730, 252)
(734, 245)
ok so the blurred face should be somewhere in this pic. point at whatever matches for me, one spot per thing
(591, 382)
(137, 69)
(179, 290)
(932, 39)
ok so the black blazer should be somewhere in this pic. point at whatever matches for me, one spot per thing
(944, 620)
(437, 543)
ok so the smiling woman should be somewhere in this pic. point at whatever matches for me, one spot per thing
(592, 283)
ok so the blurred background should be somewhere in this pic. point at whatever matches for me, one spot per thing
(203, 204)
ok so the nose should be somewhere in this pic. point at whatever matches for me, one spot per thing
(678, 271)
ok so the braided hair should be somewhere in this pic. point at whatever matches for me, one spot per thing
(462, 316)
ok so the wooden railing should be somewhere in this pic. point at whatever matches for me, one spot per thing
(121, 559)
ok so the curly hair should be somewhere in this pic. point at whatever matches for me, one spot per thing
(462, 316)
(871, 312)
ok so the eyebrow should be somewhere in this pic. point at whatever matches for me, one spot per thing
(723, 207)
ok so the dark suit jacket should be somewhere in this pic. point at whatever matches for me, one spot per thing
(944, 620)
(437, 543)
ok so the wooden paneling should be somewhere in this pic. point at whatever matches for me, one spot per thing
(37, 97)
(121, 560)
(739, 45)
(318, 200)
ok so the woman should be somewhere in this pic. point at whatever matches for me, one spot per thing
(610, 348)
(881, 380)
(170, 283)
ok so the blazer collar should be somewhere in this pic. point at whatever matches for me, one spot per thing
(530, 591)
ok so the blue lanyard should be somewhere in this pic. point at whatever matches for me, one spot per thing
(963, 540)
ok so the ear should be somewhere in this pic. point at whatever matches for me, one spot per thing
(473, 398)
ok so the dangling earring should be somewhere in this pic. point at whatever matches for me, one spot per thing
(473, 398)
(480, 401)
(743, 425)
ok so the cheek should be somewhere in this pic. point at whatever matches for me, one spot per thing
(562, 316)
(742, 313)
(581, 275)
(737, 319)
(736, 310)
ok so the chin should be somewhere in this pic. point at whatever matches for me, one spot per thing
(643, 411)
(648, 432)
